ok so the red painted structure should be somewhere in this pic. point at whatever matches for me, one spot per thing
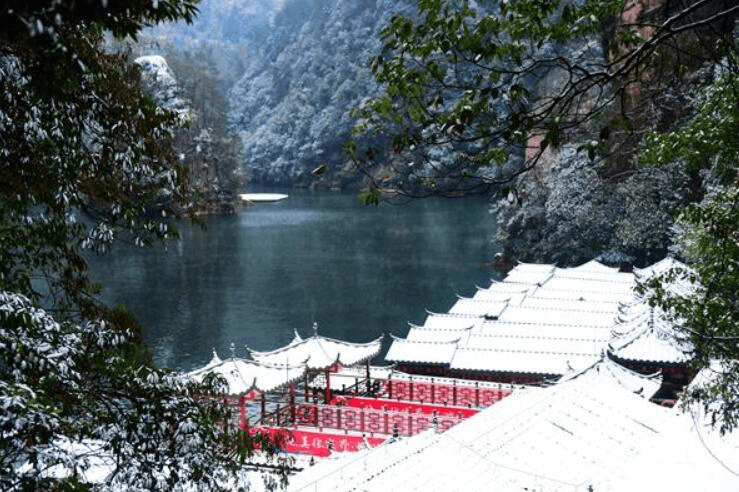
(317, 443)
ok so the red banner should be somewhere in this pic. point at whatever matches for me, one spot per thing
(320, 443)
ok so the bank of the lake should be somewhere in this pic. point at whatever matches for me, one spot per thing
(254, 277)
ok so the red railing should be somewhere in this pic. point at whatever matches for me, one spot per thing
(366, 420)
(437, 393)
(406, 406)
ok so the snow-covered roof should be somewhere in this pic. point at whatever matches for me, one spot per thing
(585, 285)
(245, 375)
(519, 361)
(651, 338)
(402, 350)
(530, 278)
(563, 332)
(421, 334)
(690, 444)
(583, 317)
(561, 324)
(586, 431)
(446, 321)
(319, 352)
(477, 307)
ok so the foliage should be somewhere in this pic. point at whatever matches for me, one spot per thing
(708, 237)
(469, 93)
(85, 156)
(67, 387)
(85, 159)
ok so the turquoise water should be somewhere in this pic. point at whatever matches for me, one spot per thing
(253, 278)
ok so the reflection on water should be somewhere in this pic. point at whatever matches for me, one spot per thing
(255, 277)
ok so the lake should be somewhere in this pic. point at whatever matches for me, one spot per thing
(253, 278)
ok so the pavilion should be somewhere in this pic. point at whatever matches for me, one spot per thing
(321, 355)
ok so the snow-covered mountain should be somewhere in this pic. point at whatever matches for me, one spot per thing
(292, 68)
(291, 105)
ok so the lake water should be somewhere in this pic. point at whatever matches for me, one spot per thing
(253, 278)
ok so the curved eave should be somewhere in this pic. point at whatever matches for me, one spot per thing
(324, 359)
(425, 352)
(283, 375)
(647, 361)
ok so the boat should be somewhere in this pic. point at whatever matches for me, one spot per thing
(262, 197)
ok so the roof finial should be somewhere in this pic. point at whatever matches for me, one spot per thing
(233, 350)
(315, 328)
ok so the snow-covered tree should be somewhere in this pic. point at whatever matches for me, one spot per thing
(707, 236)
(85, 160)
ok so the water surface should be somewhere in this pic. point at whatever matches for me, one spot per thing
(253, 278)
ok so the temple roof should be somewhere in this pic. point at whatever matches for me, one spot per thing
(559, 324)
(651, 338)
(245, 375)
(319, 352)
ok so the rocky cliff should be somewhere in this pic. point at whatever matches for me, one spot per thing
(212, 160)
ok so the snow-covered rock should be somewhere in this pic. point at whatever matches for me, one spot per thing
(160, 82)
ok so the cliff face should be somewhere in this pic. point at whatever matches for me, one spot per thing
(211, 158)
(572, 208)
(291, 105)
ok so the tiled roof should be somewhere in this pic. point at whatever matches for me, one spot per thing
(563, 323)
(651, 338)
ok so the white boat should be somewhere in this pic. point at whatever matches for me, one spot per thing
(262, 197)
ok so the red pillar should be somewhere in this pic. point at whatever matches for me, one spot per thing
(243, 418)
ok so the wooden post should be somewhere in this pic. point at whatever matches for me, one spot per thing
(454, 392)
(477, 394)
(433, 391)
(305, 385)
(327, 395)
(410, 388)
(292, 402)
(338, 417)
(390, 387)
(264, 404)
(361, 420)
